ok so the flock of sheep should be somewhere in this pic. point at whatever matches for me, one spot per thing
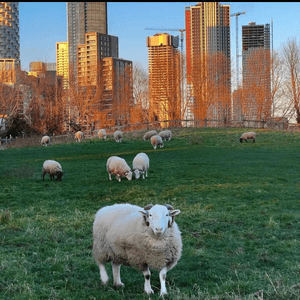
(144, 238)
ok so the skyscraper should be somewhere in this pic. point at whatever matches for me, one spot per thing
(256, 64)
(62, 62)
(9, 31)
(84, 17)
(207, 39)
(164, 77)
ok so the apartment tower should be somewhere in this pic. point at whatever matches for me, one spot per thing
(207, 53)
(164, 77)
(256, 71)
(9, 41)
(62, 62)
(83, 17)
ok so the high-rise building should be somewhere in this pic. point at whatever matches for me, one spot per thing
(9, 41)
(256, 72)
(83, 17)
(164, 77)
(62, 62)
(91, 52)
(207, 52)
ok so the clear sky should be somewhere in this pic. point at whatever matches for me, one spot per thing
(42, 24)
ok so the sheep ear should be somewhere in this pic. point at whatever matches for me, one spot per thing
(145, 215)
(173, 213)
(149, 206)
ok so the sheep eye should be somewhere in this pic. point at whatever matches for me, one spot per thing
(150, 215)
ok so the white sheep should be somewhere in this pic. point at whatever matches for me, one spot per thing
(45, 140)
(148, 134)
(78, 136)
(166, 134)
(247, 136)
(52, 168)
(140, 165)
(156, 140)
(146, 239)
(117, 166)
(102, 134)
(118, 136)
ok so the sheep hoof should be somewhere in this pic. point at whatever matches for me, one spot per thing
(150, 291)
(104, 282)
(119, 285)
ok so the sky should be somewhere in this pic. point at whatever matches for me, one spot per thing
(42, 24)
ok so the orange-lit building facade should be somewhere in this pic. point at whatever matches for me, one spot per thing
(164, 77)
(62, 62)
(207, 39)
(8, 71)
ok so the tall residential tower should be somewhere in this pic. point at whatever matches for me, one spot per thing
(207, 53)
(84, 17)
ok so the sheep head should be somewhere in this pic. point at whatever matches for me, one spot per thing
(159, 217)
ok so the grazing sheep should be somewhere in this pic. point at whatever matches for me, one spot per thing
(156, 140)
(165, 134)
(148, 134)
(146, 239)
(140, 165)
(247, 136)
(52, 168)
(78, 136)
(102, 134)
(118, 166)
(45, 140)
(118, 136)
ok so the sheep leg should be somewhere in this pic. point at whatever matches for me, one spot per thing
(103, 274)
(147, 286)
(44, 173)
(162, 278)
(116, 273)
(109, 175)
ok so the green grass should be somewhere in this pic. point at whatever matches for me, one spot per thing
(240, 216)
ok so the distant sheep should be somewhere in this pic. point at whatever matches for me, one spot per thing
(156, 140)
(140, 165)
(117, 166)
(166, 135)
(78, 136)
(248, 136)
(53, 168)
(102, 134)
(118, 136)
(146, 239)
(149, 134)
(45, 140)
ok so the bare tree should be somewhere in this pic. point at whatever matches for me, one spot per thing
(291, 60)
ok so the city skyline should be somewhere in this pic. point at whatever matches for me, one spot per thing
(42, 24)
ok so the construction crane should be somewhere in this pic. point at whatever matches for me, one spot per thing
(181, 34)
(237, 44)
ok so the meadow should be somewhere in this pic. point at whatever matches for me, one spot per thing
(240, 216)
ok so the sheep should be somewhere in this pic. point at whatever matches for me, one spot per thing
(53, 168)
(140, 165)
(146, 239)
(102, 134)
(148, 134)
(118, 166)
(118, 136)
(78, 136)
(247, 136)
(156, 140)
(45, 140)
(166, 135)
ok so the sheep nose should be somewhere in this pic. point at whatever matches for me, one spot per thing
(158, 230)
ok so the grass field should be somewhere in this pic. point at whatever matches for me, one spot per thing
(240, 216)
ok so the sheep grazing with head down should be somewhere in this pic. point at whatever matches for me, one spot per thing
(118, 136)
(166, 134)
(140, 165)
(53, 168)
(78, 136)
(156, 140)
(149, 134)
(248, 136)
(146, 239)
(117, 166)
(45, 140)
(102, 134)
